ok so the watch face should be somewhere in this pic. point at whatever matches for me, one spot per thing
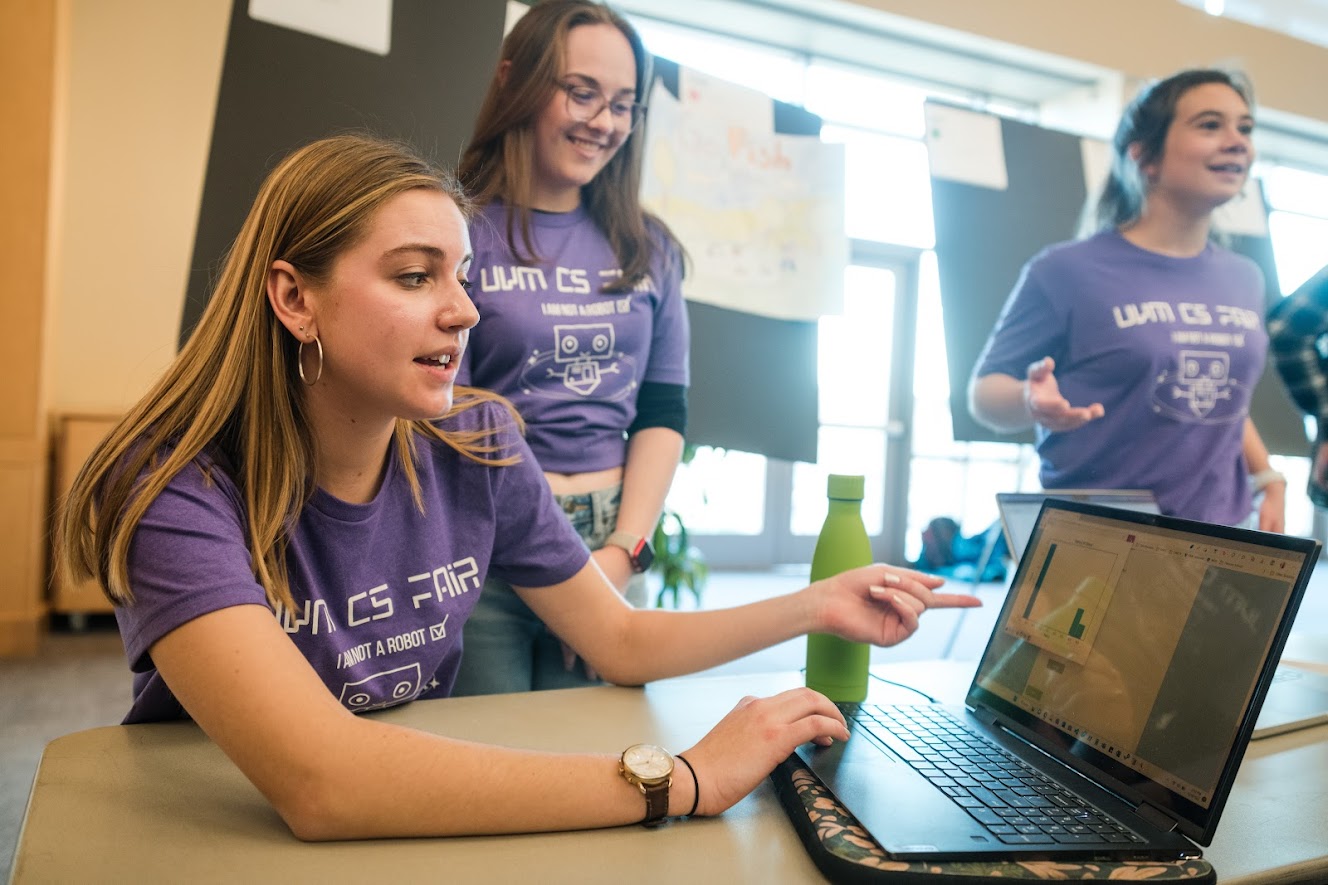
(648, 762)
(644, 557)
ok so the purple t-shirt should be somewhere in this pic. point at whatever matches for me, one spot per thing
(381, 590)
(1171, 347)
(568, 355)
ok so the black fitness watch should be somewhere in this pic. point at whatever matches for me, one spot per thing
(638, 549)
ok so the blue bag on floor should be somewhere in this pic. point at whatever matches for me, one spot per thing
(945, 551)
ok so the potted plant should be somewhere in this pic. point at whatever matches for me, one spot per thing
(680, 565)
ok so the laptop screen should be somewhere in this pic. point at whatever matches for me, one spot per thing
(1133, 643)
(1019, 510)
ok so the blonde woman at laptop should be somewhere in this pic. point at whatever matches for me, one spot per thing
(294, 525)
(1133, 352)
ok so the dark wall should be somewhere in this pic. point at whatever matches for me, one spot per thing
(984, 236)
(753, 378)
(281, 88)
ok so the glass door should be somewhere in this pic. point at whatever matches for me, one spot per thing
(747, 511)
(866, 400)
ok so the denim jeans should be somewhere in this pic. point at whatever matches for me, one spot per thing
(506, 647)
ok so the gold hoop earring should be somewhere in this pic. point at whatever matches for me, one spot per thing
(299, 361)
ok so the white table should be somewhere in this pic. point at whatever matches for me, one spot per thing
(161, 803)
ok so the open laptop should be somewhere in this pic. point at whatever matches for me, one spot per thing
(1110, 710)
(1296, 699)
(1019, 510)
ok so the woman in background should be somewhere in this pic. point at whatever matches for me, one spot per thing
(294, 523)
(585, 330)
(1133, 352)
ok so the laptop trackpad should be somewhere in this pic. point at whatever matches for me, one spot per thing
(901, 810)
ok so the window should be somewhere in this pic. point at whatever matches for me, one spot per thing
(754, 512)
(854, 371)
(888, 197)
(1298, 225)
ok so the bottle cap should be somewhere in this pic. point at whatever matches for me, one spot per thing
(842, 487)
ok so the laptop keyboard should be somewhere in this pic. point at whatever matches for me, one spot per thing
(1014, 802)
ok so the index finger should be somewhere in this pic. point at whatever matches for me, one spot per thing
(953, 600)
(932, 599)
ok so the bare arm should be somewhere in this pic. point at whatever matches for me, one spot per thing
(333, 775)
(652, 459)
(879, 604)
(999, 402)
(1007, 404)
(1272, 509)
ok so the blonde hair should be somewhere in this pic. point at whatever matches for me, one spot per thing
(235, 383)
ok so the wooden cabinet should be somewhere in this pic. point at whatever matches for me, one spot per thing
(76, 436)
(29, 50)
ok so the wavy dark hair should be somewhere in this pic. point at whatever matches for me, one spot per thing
(1145, 122)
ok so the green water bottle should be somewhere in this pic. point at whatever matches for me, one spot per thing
(836, 667)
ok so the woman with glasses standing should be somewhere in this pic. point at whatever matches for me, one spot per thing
(584, 327)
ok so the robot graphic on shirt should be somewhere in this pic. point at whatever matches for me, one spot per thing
(1203, 382)
(384, 689)
(582, 364)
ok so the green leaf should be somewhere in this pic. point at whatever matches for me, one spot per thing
(678, 563)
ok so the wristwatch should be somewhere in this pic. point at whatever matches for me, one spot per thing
(650, 768)
(638, 549)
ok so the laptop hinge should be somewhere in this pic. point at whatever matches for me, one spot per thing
(986, 717)
(1155, 817)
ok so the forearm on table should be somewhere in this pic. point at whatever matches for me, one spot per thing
(364, 788)
(334, 775)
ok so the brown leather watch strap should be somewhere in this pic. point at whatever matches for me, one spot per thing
(657, 803)
(650, 768)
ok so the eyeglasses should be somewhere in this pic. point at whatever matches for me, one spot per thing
(585, 104)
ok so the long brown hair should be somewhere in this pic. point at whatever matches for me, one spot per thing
(498, 162)
(235, 383)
